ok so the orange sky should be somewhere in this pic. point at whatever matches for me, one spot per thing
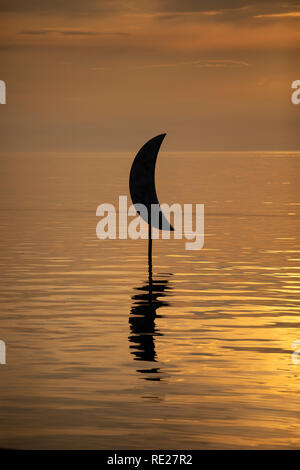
(106, 75)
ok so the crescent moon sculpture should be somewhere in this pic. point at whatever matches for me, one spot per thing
(142, 191)
(142, 183)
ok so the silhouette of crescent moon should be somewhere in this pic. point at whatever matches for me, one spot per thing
(142, 180)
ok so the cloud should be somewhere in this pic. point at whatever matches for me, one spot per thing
(223, 63)
(227, 10)
(199, 63)
(223, 5)
(70, 32)
(199, 6)
(74, 32)
(36, 32)
(224, 10)
(236, 13)
(291, 14)
(72, 7)
(187, 14)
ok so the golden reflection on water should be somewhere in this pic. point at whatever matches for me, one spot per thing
(94, 361)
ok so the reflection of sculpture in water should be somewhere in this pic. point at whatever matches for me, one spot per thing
(142, 323)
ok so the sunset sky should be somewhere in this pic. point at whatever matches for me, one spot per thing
(107, 75)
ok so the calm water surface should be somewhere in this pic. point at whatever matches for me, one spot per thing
(91, 363)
